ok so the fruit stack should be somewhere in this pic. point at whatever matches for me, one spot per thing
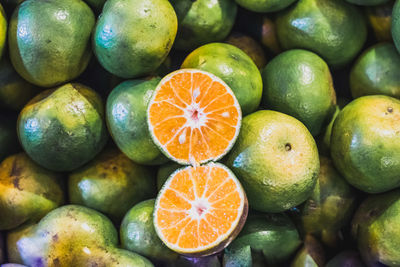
(206, 133)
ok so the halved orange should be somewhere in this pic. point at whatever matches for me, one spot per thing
(193, 117)
(200, 210)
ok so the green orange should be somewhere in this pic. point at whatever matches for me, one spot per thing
(63, 128)
(250, 46)
(126, 119)
(365, 143)
(330, 206)
(312, 254)
(333, 29)
(298, 83)
(276, 160)
(111, 184)
(324, 139)
(133, 37)
(50, 40)
(376, 72)
(234, 67)
(396, 24)
(203, 21)
(13, 236)
(75, 236)
(376, 228)
(138, 234)
(27, 191)
(268, 239)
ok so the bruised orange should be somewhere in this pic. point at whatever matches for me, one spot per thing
(193, 117)
(199, 210)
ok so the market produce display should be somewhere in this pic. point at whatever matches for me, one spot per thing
(199, 133)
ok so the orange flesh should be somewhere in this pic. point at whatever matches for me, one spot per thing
(198, 208)
(194, 117)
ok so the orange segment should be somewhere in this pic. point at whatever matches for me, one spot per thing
(199, 209)
(193, 117)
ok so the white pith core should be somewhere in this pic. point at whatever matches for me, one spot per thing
(195, 118)
(200, 207)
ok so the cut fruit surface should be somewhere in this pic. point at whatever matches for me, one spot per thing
(193, 117)
(199, 210)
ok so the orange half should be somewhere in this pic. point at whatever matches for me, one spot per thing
(200, 210)
(193, 117)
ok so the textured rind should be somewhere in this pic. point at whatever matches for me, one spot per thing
(111, 184)
(203, 21)
(272, 237)
(27, 191)
(274, 179)
(64, 128)
(336, 30)
(55, 47)
(137, 233)
(133, 37)
(330, 207)
(376, 228)
(76, 236)
(299, 83)
(376, 72)
(234, 67)
(126, 120)
(365, 143)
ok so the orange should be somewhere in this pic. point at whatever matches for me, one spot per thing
(200, 209)
(193, 117)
